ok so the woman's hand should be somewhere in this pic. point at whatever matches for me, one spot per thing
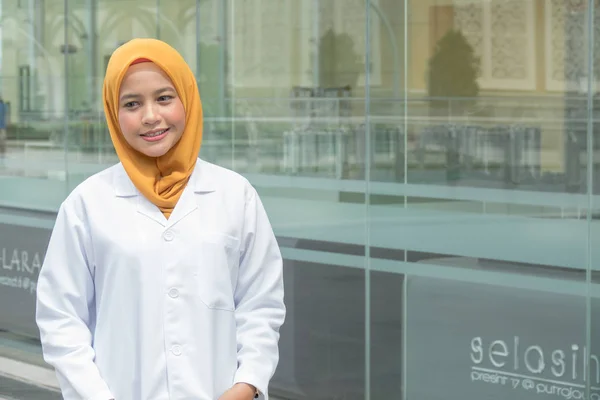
(239, 391)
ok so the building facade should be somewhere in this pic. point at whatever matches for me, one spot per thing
(429, 167)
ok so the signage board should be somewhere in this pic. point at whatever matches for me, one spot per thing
(479, 341)
(22, 251)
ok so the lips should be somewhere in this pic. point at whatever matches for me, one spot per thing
(155, 136)
(154, 133)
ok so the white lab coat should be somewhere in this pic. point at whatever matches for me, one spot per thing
(133, 306)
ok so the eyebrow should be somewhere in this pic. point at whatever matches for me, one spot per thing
(133, 96)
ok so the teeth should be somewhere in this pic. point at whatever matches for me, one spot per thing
(155, 134)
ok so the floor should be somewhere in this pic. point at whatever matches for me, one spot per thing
(11, 389)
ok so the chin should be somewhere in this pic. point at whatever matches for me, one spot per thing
(155, 154)
(156, 150)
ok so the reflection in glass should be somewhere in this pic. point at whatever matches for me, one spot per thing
(493, 236)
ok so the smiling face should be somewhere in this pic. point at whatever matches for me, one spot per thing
(151, 114)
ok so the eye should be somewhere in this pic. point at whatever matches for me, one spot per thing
(165, 98)
(130, 104)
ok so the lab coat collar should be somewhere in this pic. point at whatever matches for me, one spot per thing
(201, 181)
(124, 187)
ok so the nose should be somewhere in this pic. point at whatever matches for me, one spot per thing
(150, 115)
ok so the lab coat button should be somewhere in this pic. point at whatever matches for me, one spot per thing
(176, 350)
(168, 236)
(174, 293)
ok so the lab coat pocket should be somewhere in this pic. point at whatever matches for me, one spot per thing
(213, 272)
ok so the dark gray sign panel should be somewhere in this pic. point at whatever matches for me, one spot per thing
(22, 251)
(473, 341)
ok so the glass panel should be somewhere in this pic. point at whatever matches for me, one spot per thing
(85, 138)
(586, 163)
(32, 103)
(296, 85)
(385, 160)
(32, 172)
(493, 237)
(213, 73)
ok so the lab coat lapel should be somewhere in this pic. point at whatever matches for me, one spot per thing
(125, 188)
(200, 182)
(185, 205)
(148, 209)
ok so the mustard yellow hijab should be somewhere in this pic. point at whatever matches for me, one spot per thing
(161, 180)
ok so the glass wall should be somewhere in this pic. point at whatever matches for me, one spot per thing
(430, 168)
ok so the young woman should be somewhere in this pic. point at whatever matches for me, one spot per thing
(162, 278)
